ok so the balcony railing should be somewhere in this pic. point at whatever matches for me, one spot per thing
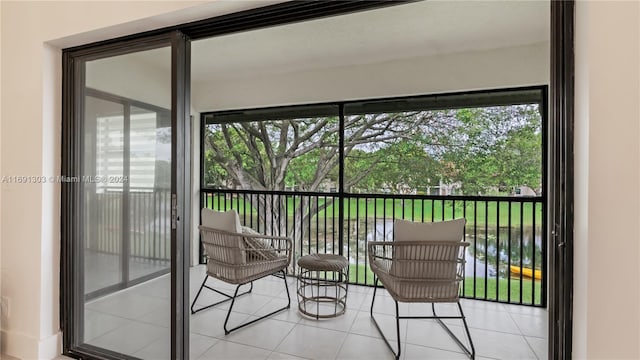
(506, 261)
(148, 237)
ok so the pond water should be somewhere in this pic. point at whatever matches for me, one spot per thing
(491, 252)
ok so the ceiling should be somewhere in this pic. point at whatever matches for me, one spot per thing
(425, 28)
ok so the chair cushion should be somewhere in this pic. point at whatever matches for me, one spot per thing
(452, 230)
(227, 221)
(229, 248)
(257, 244)
(420, 262)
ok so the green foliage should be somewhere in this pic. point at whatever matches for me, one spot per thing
(488, 150)
(496, 149)
(214, 173)
(399, 167)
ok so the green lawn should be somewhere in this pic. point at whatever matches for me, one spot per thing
(479, 212)
(501, 286)
(493, 287)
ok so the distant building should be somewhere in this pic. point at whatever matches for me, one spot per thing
(524, 190)
(445, 188)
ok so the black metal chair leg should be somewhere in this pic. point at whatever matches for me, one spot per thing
(466, 328)
(373, 299)
(226, 320)
(375, 322)
(286, 286)
(470, 352)
(198, 294)
(228, 297)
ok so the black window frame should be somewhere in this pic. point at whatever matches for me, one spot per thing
(535, 94)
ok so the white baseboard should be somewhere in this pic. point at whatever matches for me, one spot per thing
(23, 346)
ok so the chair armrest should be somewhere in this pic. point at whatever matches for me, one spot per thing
(404, 252)
(386, 249)
(278, 243)
(233, 233)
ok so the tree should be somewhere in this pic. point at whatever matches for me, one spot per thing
(402, 166)
(486, 149)
(261, 155)
(495, 149)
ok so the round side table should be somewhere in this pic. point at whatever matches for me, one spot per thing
(322, 285)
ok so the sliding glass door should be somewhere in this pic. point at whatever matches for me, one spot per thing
(127, 137)
(126, 189)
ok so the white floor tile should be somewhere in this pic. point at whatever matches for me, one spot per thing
(97, 324)
(312, 342)
(291, 315)
(531, 325)
(431, 334)
(355, 300)
(485, 305)
(270, 286)
(132, 337)
(199, 344)
(525, 310)
(210, 322)
(280, 356)
(363, 347)
(411, 352)
(540, 347)
(159, 287)
(340, 323)
(487, 320)
(161, 348)
(159, 318)
(499, 345)
(266, 334)
(363, 325)
(229, 350)
(129, 304)
(384, 304)
(249, 304)
(426, 309)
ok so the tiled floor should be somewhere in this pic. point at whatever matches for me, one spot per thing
(102, 270)
(136, 321)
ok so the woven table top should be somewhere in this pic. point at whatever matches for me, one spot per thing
(323, 262)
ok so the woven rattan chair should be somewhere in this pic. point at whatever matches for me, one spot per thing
(424, 264)
(240, 257)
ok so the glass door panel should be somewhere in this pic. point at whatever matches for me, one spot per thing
(103, 249)
(126, 195)
(149, 192)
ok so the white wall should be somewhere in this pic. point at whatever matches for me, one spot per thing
(499, 68)
(32, 34)
(607, 179)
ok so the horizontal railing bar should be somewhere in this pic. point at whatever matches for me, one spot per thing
(517, 199)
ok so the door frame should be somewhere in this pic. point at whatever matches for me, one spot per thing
(560, 187)
(560, 146)
(72, 297)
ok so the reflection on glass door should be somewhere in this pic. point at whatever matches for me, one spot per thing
(126, 199)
